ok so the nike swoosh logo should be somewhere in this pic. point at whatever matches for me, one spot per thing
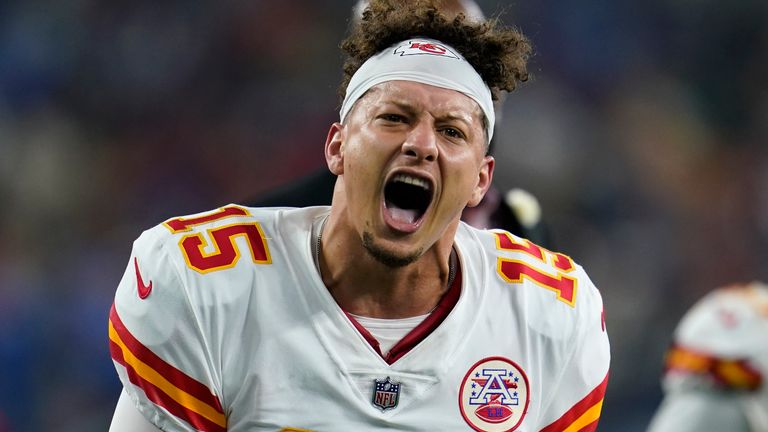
(144, 290)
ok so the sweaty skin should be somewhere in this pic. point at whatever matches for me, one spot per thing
(400, 127)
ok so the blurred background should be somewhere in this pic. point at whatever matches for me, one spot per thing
(644, 134)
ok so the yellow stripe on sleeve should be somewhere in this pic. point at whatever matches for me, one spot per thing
(589, 416)
(147, 373)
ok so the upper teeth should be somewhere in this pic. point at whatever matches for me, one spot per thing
(415, 181)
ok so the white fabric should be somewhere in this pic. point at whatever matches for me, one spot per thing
(128, 419)
(702, 411)
(425, 61)
(388, 332)
(271, 344)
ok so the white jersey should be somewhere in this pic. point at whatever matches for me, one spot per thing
(222, 323)
(717, 365)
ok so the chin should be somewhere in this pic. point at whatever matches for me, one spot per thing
(389, 257)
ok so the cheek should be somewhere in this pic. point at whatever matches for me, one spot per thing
(463, 177)
(356, 165)
(365, 156)
(457, 191)
(361, 169)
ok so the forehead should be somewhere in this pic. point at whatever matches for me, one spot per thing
(424, 97)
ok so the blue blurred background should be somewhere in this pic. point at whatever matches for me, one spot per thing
(644, 133)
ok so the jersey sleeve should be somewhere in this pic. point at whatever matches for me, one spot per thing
(715, 369)
(157, 343)
(576, 400)
(721, 342)
(694, 411)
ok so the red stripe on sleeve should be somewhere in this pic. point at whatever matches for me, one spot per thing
(169, 372)
(594, 397)
(160, 398)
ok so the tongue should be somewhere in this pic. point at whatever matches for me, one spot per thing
(404, 215)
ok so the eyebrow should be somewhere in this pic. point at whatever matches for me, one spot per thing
(451, 115)
(457, 117)
(405, 106)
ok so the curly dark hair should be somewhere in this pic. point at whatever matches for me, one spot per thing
(497, 52)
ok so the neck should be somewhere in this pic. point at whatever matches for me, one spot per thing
(363, 286)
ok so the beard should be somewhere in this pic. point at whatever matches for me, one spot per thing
(387, 257)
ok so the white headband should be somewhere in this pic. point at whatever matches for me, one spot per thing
(425, 61)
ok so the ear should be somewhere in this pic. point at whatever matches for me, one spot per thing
(334, 153)
(484, 178)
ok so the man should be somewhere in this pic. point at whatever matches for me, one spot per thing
(383, 311)
(515, 210)
(716, 370)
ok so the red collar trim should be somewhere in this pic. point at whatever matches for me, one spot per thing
(421, 331)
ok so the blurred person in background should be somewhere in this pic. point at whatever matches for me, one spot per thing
(515, 210)
(383, 311)
(716, 370)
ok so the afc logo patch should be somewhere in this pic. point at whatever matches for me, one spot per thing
(386, 394)
(494, 395)
(424, 47)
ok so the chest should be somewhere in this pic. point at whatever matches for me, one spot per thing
(309, 368)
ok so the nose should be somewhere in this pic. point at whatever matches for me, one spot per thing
(421, 142)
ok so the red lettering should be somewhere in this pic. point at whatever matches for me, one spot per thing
(182, 224)
(225, 252)
(516, 270)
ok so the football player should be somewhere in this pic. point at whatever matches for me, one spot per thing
(383, 311)
(716, 370)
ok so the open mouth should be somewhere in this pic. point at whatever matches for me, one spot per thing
(407, 198)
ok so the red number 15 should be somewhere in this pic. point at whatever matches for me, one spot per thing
(225, 251)
(515, 270)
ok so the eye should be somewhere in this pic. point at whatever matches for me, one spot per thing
(394, 118)
(453, 133)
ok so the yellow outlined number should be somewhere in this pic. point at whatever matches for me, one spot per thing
(512, 270)
(225, 252)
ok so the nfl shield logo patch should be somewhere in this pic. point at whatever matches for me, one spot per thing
(386, 394)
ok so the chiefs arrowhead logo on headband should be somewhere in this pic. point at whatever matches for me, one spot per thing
(422, 47)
